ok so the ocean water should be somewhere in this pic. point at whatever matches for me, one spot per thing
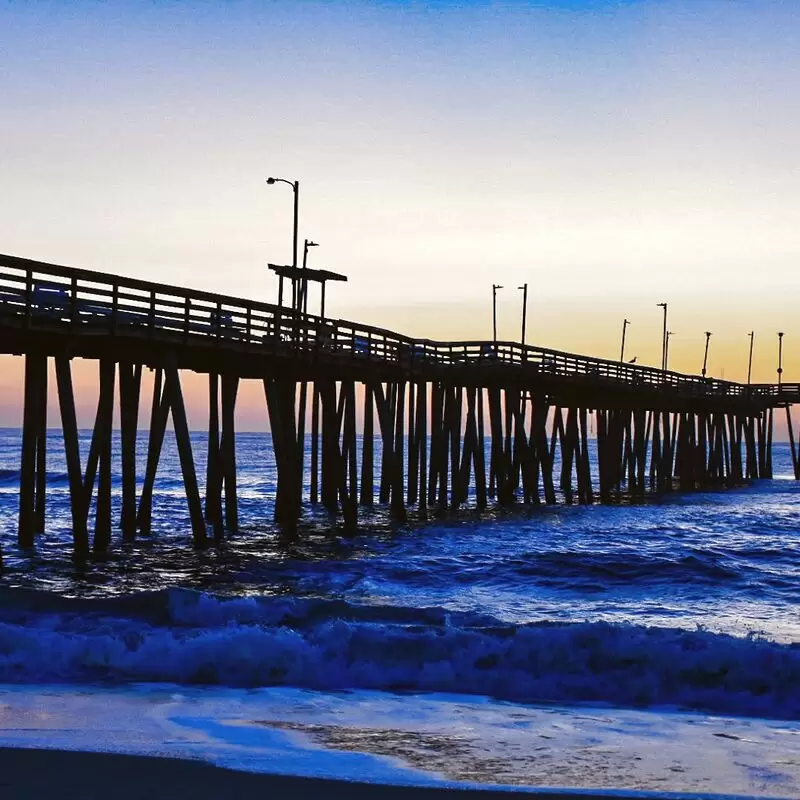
(593, 646)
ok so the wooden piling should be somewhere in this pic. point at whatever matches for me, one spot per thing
(159, 413)
(35, 383)
(69, 426)
(130, 381)
(230, 388)
(103, 431)
(368, 449)
(213, 462)
(174, 395)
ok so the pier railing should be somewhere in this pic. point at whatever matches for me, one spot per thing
(39, 295)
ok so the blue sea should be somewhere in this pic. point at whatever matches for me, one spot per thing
(652, 646)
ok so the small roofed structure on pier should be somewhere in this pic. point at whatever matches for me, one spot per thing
(300, 277)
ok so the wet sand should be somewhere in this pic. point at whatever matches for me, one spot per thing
(52, 774)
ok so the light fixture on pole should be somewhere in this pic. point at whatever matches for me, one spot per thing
(296, 191)
(780, 358)
(705, 355)
(303, 300)
(524, 289)
(664, 338)
(495, 287)
(625, 324)
(750, 360)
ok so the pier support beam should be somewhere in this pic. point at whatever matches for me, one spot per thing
(33, 464)
(130, 381)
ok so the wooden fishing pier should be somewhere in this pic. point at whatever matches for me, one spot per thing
(444, 423)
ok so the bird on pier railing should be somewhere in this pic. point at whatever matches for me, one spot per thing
(633, 360)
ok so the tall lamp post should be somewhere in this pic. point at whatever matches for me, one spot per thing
(524, 289)
(750, 360)
(705, 355)
(780, 358)
(296, 191)
(664, 338)
(495, 287)
(625, 324)
(666, 348)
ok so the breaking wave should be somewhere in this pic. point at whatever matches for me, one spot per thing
(183, 636)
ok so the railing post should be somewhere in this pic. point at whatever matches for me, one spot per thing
(73, 301)
(28, 296)
(114, 307)
(152, 313)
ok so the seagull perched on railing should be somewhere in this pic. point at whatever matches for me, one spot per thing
(633, 360)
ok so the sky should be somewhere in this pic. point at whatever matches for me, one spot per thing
(612, 155)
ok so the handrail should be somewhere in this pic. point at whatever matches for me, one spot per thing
(46, 293)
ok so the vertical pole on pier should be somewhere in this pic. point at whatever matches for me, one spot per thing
(518, 455)
(35, 374)
(103, 426)
(703, 445)
(412, 462)
(655, 452)
(523, 454)
(769, 431)
(641, 437)
(130, 381)
(735, 440)
(496, 434)
(544, 453)
(422, 442)
(667, 450)
(453, 417)
(436, 441)
(330, 446)
(301, 439)
(349, 450)
(314, 488)
(480, 452)
(461, 481)
(175, 399)
(412, 480)
(569, 443)
(385, 408)
(368, 449)
(751, 447)
(159, 412)
(497, 477)
(538, 419)
(725, 458)
(603, 456)
(230, 388)
(397, 505)
(41, 449)
(583, 464)
(69, 425)
(792, 448)
(282, 427)
(213, 466)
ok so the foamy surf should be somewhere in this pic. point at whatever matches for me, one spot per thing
(418, 740)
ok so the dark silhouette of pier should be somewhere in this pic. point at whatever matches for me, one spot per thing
(435, 407)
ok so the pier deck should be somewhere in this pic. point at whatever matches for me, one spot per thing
(655, 429)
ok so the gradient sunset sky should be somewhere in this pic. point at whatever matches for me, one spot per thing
(613, 155)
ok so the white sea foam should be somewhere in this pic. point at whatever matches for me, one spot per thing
(413, 739)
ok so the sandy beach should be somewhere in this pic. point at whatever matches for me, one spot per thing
(27, 774)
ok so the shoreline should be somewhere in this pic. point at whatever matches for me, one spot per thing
(31, 774)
